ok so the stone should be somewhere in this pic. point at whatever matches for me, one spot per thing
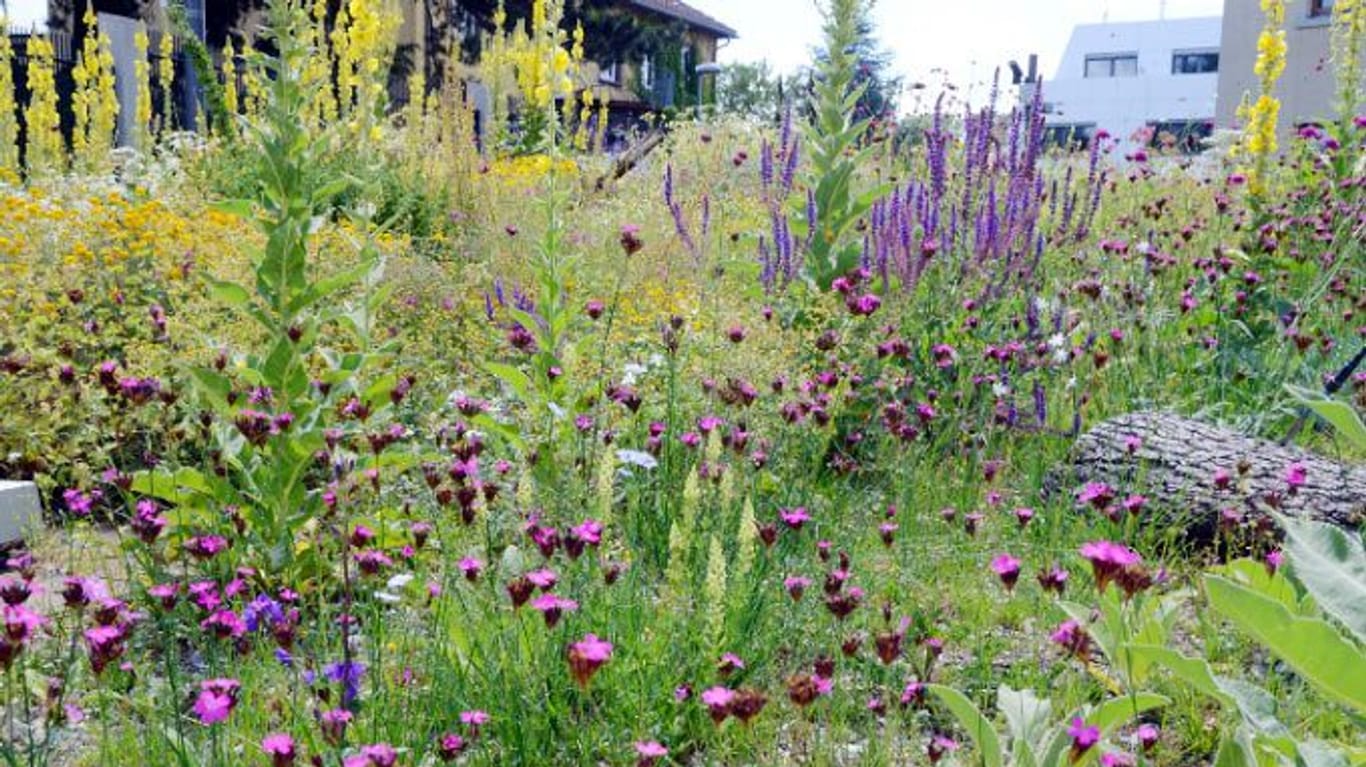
(19, 511)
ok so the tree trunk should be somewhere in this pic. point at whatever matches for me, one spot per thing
(1175, 461)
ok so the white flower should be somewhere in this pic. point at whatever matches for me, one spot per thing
(637, 458)
(1000, 389)
(632, 371)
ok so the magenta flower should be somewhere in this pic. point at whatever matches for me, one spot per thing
(1084, 737)
(1097, 494)
(544, 579)
(206, 546)
(913, 694)
(333, 724)
(1024, 515)
(587, 656)
(1295, 476)
(1148, 735)
(105, 644)
(470, 567)
(1273, 561)
(1053, 579)
(1073, 638)
(729, 663)
(794, 518)
(938, 746)
(216, 699)
(717, 700)
(1107, 559)
(1116, 759)
(474, 719)
(795, 586)
(1007, 568)
(280, 748)
(450, 746)
(649, 752)
(377, 755)
(552, 606)
(1134, 504)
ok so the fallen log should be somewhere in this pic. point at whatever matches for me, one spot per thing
(631, 158)
(1193, 471)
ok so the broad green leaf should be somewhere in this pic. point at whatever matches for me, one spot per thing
(977, 726)
(1312, 647)
(1193, 671)
(518, 381)
(1341, 415)
(1027, 718)
(229, 293)
(1332, 566)
(1316, 753)
(1109, 715)
(239, 208)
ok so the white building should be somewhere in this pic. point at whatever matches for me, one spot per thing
(25, 15)
(1123, 77)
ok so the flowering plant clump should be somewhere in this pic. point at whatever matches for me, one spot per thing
(362, 442)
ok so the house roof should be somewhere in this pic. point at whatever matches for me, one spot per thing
(680, 10)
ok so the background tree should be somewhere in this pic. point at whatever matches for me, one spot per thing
(751, 90)
(872, 69)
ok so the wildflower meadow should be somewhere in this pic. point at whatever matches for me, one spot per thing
(367, 436)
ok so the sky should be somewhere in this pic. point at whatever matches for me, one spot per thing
(966, 38)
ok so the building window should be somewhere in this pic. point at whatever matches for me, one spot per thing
(1184, 136)
(1202, 63)
(1070, 137)
(1112, 65)
(647, 73)
(1319, 8)
(609, 74)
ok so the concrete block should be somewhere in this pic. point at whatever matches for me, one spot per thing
(20, 511)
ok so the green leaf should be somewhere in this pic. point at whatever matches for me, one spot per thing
(1312, 647)
(1193, 671)
(978, 727)
(239, 208)
(1027, 718)
(229, 293)
(1338, 413)
(1232, 753)
(1332, 566)
(518, 381)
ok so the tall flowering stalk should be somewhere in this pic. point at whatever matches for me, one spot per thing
(9, 123)
(95, 104)
(1349, 33)
(166, 74)
(142, 73)
(44, 151)
(231, 101)
(835, 138)
(1262, 116)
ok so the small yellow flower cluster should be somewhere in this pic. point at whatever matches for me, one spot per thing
(528, 171)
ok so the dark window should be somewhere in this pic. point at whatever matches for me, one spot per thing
(1112, 65)
(1195, 63)
(1320, 8)
(1184, 136)
(1070, 136)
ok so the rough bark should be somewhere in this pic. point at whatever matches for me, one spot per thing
(1176, 461)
